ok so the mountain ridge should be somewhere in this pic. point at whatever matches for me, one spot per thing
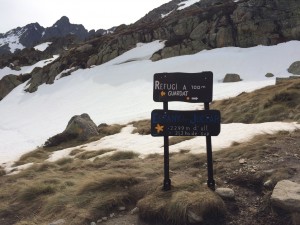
(32, 34)
(200, 26)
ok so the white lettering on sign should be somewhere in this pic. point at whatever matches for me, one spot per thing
(177, 93)
(162, 86)
(198, 87)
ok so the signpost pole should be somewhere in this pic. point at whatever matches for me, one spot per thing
(185, 87)
(167, 180)
(210, 171)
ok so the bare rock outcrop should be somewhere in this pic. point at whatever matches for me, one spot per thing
(231, 77)
(9, 82)
(80, 127)
(286, 196)
(295, 68)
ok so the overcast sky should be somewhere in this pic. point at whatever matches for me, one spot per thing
(93, 14)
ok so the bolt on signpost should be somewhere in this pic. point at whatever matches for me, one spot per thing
(186, 87)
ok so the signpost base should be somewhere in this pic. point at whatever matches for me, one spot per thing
(167, 185)
(211, 184)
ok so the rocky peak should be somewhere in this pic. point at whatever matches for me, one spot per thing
(32, 35)
(63, 27)
(63, 21)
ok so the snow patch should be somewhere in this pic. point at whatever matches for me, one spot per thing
(26, 69)
(187, 3)
(118, 92)
(42, 47)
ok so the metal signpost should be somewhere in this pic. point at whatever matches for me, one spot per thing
(186, 87)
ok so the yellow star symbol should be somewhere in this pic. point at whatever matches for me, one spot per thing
(162, 93)
(159, 128)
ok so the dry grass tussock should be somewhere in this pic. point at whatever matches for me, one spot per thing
(36, 156)
(142, 127)
(92, 154)
(273, 103)
(105, 130)
(2, 171)
(175, 207)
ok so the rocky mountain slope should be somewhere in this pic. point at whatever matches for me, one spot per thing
(203, 25)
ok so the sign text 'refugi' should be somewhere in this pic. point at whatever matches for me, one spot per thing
(186, 87)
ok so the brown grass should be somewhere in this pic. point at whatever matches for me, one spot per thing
(92, 154)
(80, 192)
(106, 182)
(174, 207)
(36, 156)
(105, 130)
(2, 171)
(273, 103)
(122, 155)
(142, 127)
(178, 139)
(76, 151)
(34, 191)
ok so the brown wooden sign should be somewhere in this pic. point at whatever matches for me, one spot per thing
(185, 87)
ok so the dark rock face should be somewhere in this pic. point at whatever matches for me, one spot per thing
(32, 34)
(79, 127)
(207, 24)
(214, 24)
(25, 57)
(63, 27)
(7, 84)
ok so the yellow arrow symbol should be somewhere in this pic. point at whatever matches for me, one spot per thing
(162, 93)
